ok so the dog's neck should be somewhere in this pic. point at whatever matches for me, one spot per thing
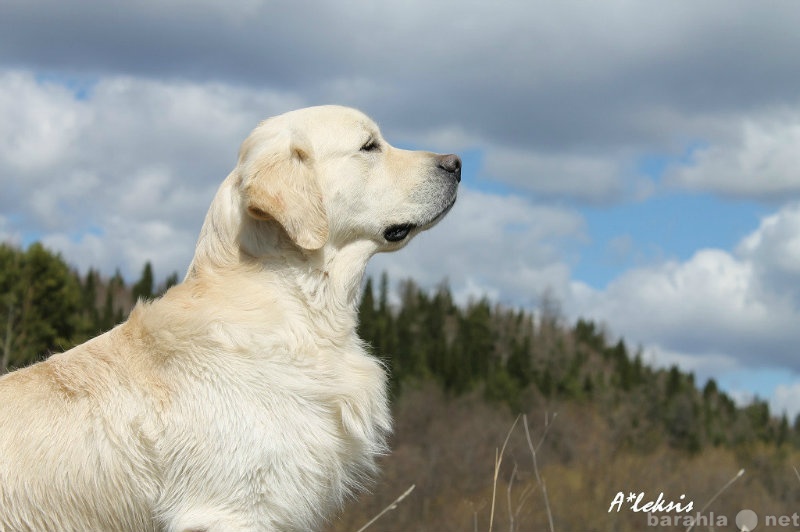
(328, 280)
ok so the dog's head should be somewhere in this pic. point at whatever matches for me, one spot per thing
(326, 175)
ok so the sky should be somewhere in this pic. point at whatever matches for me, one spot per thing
(639, 162)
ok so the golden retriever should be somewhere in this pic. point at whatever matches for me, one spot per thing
(242, 399)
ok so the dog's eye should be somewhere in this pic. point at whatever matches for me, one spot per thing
(371, 145)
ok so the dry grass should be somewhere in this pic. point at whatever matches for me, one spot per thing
(717, 494)
(461, 455)
(513, 514)
(498, 459)
(389, 508)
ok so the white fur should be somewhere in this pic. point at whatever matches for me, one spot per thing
(243, 399)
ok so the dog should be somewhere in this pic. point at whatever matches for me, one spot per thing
(242, 399)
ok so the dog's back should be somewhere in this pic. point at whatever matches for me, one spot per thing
(76, 443)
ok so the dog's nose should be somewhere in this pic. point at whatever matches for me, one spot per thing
(451, 164)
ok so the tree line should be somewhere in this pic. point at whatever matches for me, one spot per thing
(47, 307)
(513, 357)
(523, 358)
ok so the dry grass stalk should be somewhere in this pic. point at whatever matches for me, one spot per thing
(508, 495)
(522, 499)
(717, 494)
(391, 506)
(533, 449)
(514, 515)
(498, 459)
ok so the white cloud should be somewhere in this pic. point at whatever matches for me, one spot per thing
(705, 365)
(443, 139)
(589, 178)
(529, 74)
(127, 246)
(774, 249)
(125, 174)
(786, 399)
(8, 233)
(714, 302)
(761, 161)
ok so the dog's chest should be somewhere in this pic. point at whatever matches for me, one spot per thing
(283, 437)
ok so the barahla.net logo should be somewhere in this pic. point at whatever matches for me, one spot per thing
(670, 513)
(677, 513)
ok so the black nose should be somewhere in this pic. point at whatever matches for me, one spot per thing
(451, 164)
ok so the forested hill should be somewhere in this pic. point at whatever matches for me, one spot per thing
(508, 354)
(517, 359)
(464, 372)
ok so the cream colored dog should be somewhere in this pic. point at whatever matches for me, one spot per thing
(242, 399)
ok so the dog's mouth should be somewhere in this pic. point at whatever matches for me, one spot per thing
(399, 232)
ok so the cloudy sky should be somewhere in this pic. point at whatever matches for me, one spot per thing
(638, 160)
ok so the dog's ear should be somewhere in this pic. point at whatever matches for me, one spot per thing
(280, 184)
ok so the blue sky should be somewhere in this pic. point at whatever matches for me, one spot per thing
(664, 224)
(641, 162)
(667, 226)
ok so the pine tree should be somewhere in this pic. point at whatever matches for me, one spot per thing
(384, 328)
(586, 333)
(40, 304)
(10, 276)
(710, 390)
(143, 289)
(783, 431)
(112, 312)
(169, 282)
(519, 361)
(474, 346)
(406, 354)
(674, 384)
(622, 365)
(89, 310)
(383, 297)
(437, 353)
(89, 292)
(367, 315)
(107, 317)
